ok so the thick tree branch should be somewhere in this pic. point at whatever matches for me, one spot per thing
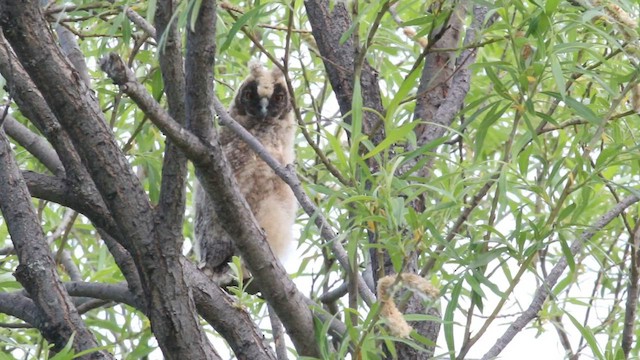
(61, 191)
(447, 108)
(227, 317)
(213, 304)
(70, 48)
(179, 336)
(37, 270)
(551, 280)
(339, 60)
(436, 80)
(20, 306)
(233, 323)
(171, 206)
(34, 107)
(112, 292)
(163, 14)
(34, 144)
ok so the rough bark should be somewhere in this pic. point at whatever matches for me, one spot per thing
(170, 306)
(230, 320)
(20, 306)
(171, 206)
(36, 272)
(35, 144)
(339, 59)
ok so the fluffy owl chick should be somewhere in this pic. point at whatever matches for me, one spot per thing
(263, 107)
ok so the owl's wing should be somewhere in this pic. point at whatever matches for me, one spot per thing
(213, 245)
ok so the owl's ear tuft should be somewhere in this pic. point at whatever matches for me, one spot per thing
(255, 66)
(277, 73)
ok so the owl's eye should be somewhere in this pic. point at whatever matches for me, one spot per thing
(278, 97)
(247, 95)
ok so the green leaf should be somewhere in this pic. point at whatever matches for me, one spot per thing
(566, 251)
(356, 125)
(195, 11)
(393, 136)
(408, 84)
(347, 34)
(493, 116)
(566, 212)
(448, 319)
(250, 15)
(588, 335)
(580, 109)
(550, 6)
(496, 82)
(558, 76)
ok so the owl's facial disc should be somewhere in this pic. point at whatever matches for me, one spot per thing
(264, 101)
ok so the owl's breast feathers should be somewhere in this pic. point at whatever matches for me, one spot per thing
(255, 178)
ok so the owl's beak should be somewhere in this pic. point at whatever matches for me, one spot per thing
(264, 106)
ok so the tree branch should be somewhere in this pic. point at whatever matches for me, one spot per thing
(213, 304)
(18, 305)
(227, 317)
(112, 292)
(338, 58)
(34, 107)
(171, 205)
(179, 336)
(34, 144)
(550, 281)
(36, 271)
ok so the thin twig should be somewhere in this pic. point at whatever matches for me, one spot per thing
(277, 333)
(550, 281)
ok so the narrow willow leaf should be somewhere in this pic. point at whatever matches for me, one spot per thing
(493, 116)
(558, 76)
(588, 335)
(356, 125)
(408, 84)
(496, 82)
(195, 10)
(568, 210)
(580, 109)
(337, 148)
(237, 26)
(393, 136)
(566, 251)
(448, 319)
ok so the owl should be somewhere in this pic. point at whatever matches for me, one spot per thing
(263, 107)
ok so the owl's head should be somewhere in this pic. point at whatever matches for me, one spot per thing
(263, 95)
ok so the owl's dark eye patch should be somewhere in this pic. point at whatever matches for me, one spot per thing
(250, 91)
(279, 93)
